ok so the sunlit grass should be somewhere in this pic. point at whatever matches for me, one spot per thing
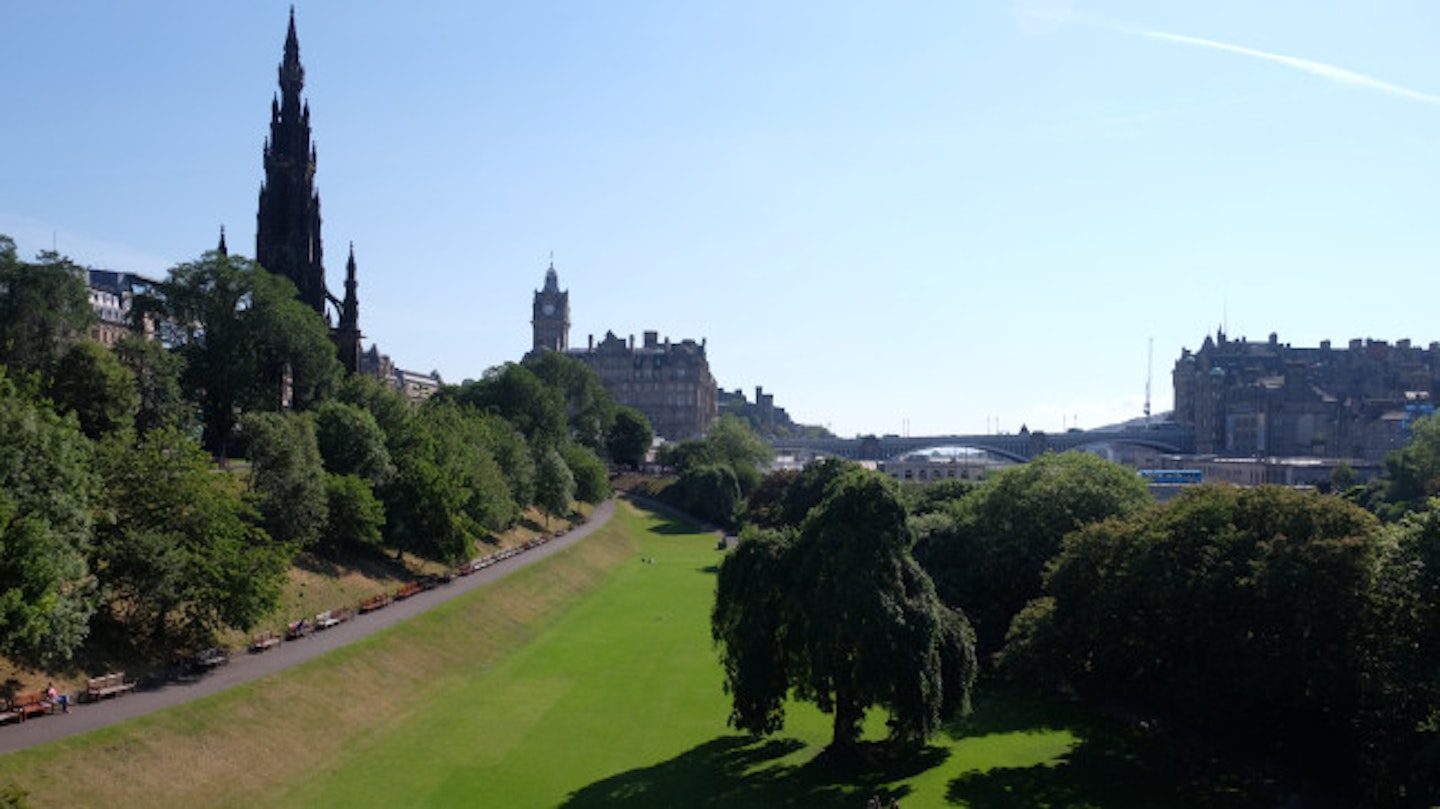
(586, 680)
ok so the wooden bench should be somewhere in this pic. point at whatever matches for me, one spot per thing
(296, 630)
(8, 713)
(408, 589)
(264, 640)
(330, 618)
(375, 602)
(110, 685)
(214, 657)
(31, 704)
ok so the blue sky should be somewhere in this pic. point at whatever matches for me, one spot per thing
(922, 217)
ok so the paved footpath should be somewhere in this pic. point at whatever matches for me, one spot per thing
(244, 667)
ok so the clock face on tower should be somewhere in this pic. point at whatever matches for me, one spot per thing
(548, 309)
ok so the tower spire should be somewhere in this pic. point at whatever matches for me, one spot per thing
(222, 249)
(347, 331)
(292, 75)
(287, 233)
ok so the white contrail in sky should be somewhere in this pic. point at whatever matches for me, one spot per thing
(1321, 69)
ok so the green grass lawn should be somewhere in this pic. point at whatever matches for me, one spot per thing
(587, 680)
(618, 703)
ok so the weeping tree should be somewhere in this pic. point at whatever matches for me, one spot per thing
(842, 616)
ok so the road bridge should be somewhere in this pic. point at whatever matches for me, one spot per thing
(1019, 447)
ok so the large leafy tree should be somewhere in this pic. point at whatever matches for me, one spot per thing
(732, 442)
(48, 493)
(590, 408)
(709, 491)
(554, 484)
(157, 373)
(592, 483)
(989, 561)
(1413, 471)
(1402, 727)
(184, 557)
(394, 414)
(1244, 611)
(44, 308)
(90, 381)
(630, 437)
(352, 443)
(248, 342)
(448, 489)
(518, 395)
(355, 516)
(841, 616)
(287, 478)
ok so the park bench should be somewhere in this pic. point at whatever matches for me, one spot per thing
(207, 659)
(375, 602)
(330, 618)
(432, 580)
(297, 629)
(109, 685)
(408, 589)
(8, 712)
(31, 704)
(264, 640)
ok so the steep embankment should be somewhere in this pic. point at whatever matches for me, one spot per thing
(237, 746)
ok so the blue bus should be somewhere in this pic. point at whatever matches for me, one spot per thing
(1173, 477)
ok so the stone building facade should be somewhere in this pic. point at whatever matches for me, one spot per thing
(1269, 399)
(112, 295)
(670, 382)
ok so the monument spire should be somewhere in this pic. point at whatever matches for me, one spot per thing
(347, 331)
(287, 233)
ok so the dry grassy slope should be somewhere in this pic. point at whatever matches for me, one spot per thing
(314, 585)
(279, 729)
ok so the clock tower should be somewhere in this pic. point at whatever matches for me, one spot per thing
(551, 318)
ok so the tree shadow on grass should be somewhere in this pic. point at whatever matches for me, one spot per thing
(671, 526)
(1114, 766)
(742, 771)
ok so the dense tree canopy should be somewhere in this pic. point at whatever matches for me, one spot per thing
(717, 472)
(352, 443)
(89, 381)
(1413, 471)
(1402, 734)
(177, 549)
(248, 343)
(554, 485)
(630, 437)
(157, 372)
(287, 479)
(184, 556)
(841, 616)
(448, 489)
(592, 481)
(44, 309)
(989, 561)
(354, 515)
(590, 408)
(517, 395)
(48, 493)
(1243, 611)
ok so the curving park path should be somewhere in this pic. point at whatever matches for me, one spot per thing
(245, 667)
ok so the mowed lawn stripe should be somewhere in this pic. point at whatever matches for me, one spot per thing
(625, 678)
